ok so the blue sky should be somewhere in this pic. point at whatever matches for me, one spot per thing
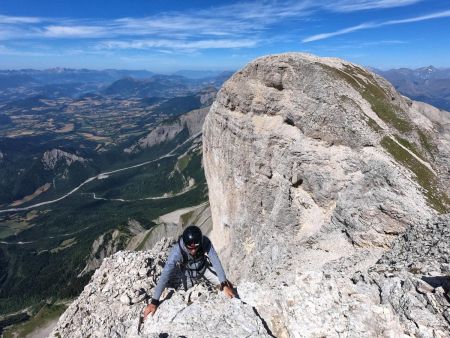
(166, 36)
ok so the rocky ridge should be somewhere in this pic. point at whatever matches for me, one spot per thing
(192, 121)
(439, 120)
(111, 304)
(109, 243)
(414, 278)
(329, 207)
(51, 158)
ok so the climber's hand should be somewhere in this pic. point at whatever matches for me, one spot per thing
(228, 292)
(150, 309)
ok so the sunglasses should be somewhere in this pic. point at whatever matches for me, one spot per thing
(192, 246)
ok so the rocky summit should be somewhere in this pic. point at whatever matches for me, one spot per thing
(51, 158)
(329, 196)
(111, 304)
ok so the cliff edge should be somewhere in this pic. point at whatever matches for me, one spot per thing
(315, 167)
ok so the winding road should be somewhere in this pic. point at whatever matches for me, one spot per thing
(103, 175)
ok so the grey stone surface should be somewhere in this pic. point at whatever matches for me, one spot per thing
(109, 243)
(112, 304)
(414, 278)
(164, 132)
(302, 187)
(52, 157)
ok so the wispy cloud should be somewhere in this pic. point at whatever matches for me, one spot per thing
(368, 25)
(359, 5)
(73, 31)
(225, 26)
(4, 19)
(219, 21)
(225, 20)
(174, 44)
(339, 32)
(13, 52)
(228, 26)
(437, 15)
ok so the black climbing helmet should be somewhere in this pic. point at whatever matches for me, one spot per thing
(192, 236)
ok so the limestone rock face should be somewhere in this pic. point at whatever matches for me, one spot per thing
(109, 243)
(207, 96)
(414, 278)
(192, 121)
(314, 167)
(436, 119)
(111, 305)
(52, 157)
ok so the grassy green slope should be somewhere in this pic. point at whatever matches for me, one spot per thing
(410, 136)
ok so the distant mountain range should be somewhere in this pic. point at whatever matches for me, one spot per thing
(427, 84)
(161, 85)
(201, 74)
(75, 83)
(27, 77)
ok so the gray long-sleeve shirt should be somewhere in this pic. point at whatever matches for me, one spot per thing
(176, 256)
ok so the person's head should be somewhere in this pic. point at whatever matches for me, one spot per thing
(192, 239)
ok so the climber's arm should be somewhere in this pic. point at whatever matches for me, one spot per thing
(175, 256)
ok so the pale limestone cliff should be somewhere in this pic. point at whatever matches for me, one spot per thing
(52, 157)
(314, 167)
(110, 242)
(192, 122)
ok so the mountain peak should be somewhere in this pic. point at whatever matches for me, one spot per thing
(430, 68)
(324, 161)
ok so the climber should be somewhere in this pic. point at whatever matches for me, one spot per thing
(196, 258)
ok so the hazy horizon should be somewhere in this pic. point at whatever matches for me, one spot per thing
(185, 70)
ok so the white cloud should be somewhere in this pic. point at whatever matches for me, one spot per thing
(368, 25)
(239, 25)
(227, 20)
(73, 31)
(174, 44)
(339, 32)
(431, 16)
(180, 26)
(358, 5)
